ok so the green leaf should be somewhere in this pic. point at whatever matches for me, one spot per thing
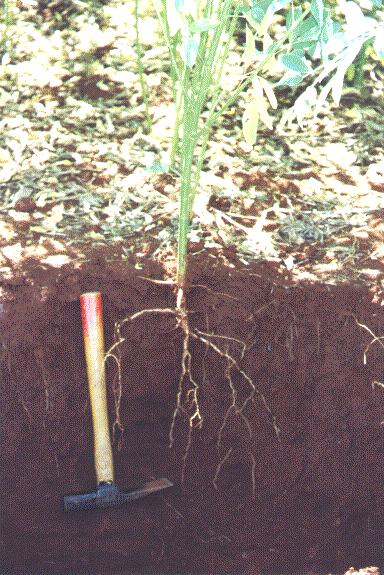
(335, 45)
(203, 25)
(291, 80)
(317, 10)
(250, 19)
(331, 38)
(296, 62)
(261, 9)
(189, 48)
(327, 32)
(293, 15)
(306, 32)
(263, 114)
(307, 46)
(157, 168)
(277, 5)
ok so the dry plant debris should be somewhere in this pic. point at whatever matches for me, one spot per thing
(74, 160)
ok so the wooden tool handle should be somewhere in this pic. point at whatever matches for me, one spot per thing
(92, 318)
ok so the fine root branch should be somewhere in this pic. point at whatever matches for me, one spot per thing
(226, 338)
(186, 453)
(158, 282)
(379, 384)
(376, 383)
(25, 408)
(220, 466)
(115, 354)
(190, 406)
(253, 474)
(7, 356)
(39, 356)
(375, 338)
(254, 391)
(188, 390)
(289, 343)
(46, 391)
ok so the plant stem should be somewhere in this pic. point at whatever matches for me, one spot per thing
(194, 86)
(188, 144)
(178, 120)
(184, 212)
(168, 40)
(196, 89)
(217, 95)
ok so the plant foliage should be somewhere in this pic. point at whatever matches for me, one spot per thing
(310, 46)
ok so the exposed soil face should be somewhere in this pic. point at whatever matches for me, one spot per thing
(296, 489)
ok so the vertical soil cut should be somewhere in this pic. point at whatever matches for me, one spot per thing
(276, 446)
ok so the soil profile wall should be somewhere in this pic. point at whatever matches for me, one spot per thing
(285, 478)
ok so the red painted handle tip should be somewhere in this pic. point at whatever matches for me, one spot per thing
(91, 305)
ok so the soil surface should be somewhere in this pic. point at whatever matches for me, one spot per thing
(287, 480)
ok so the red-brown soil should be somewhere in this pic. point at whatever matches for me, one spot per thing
(312, 502)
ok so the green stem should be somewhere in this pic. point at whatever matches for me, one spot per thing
(172, 53)
(178, 120)
(195, 88)
(216, 91)
(199, 83)
(188, 149)
(203, 76)
(168, 40)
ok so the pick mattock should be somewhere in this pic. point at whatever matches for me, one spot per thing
(107, 493)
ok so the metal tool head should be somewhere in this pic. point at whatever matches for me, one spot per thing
(110, 495)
